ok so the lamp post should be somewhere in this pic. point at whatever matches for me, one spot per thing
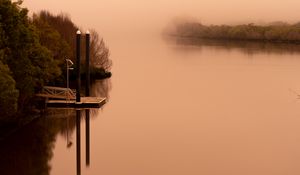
(69, 64)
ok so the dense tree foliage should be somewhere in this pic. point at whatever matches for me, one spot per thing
(274, 32)
(52, 39)
(59, 30)
(30, 63)
(8, 92)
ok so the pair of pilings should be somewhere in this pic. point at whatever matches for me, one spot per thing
(87, 93)
(87, 64)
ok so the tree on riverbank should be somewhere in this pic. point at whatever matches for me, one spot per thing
(57, 33)
(8, 92)
(31, 64)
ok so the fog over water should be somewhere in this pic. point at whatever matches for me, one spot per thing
(123, 17)
(179, 106)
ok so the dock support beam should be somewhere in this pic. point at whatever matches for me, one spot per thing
(78, 37)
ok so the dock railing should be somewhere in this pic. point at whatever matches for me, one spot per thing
(57, 93)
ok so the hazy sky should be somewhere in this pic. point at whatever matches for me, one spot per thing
(114, 15)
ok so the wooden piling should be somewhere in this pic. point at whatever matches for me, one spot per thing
(78, 38)
(87, 64)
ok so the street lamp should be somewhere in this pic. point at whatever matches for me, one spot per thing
(69, 64)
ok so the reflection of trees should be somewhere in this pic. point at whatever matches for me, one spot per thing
(65, 119)
(101, 88)
(29, 150)
(248, 47)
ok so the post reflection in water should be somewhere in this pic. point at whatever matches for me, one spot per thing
(78, 139)
(78, 157)
(87, 136)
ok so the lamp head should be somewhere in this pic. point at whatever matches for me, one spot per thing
(69, 61)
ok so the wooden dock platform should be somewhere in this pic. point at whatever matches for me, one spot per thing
(86, 102)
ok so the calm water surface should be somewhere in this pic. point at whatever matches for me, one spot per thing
(177, 107)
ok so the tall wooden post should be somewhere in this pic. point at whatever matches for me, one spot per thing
(87, 93)
(78, 37)
(87, 64)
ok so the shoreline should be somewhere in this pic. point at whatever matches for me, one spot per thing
(258, 41)
(273, 33)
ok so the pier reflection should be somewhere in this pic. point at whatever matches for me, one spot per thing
(30, 150)
(36, 141)
(78, 139)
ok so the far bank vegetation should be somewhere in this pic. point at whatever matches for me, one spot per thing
(274, 32)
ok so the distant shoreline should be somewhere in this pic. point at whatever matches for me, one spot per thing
(246, 46)
(226, 40)
(273, 33)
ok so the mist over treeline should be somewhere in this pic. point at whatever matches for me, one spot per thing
(268, 32)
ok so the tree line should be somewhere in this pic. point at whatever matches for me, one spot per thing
(274, 32)
(33, 52)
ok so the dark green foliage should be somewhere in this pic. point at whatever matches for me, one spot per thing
(62, 31)
(52, 39)
(8, 93)
(60, 23)
(31, 64)
(275, 32)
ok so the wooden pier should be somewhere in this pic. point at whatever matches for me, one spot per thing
(86, 102)
(58, 97)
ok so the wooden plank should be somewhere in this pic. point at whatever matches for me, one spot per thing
(55, 96)
(55, 88)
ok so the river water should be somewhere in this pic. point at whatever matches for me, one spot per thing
(176, 106)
